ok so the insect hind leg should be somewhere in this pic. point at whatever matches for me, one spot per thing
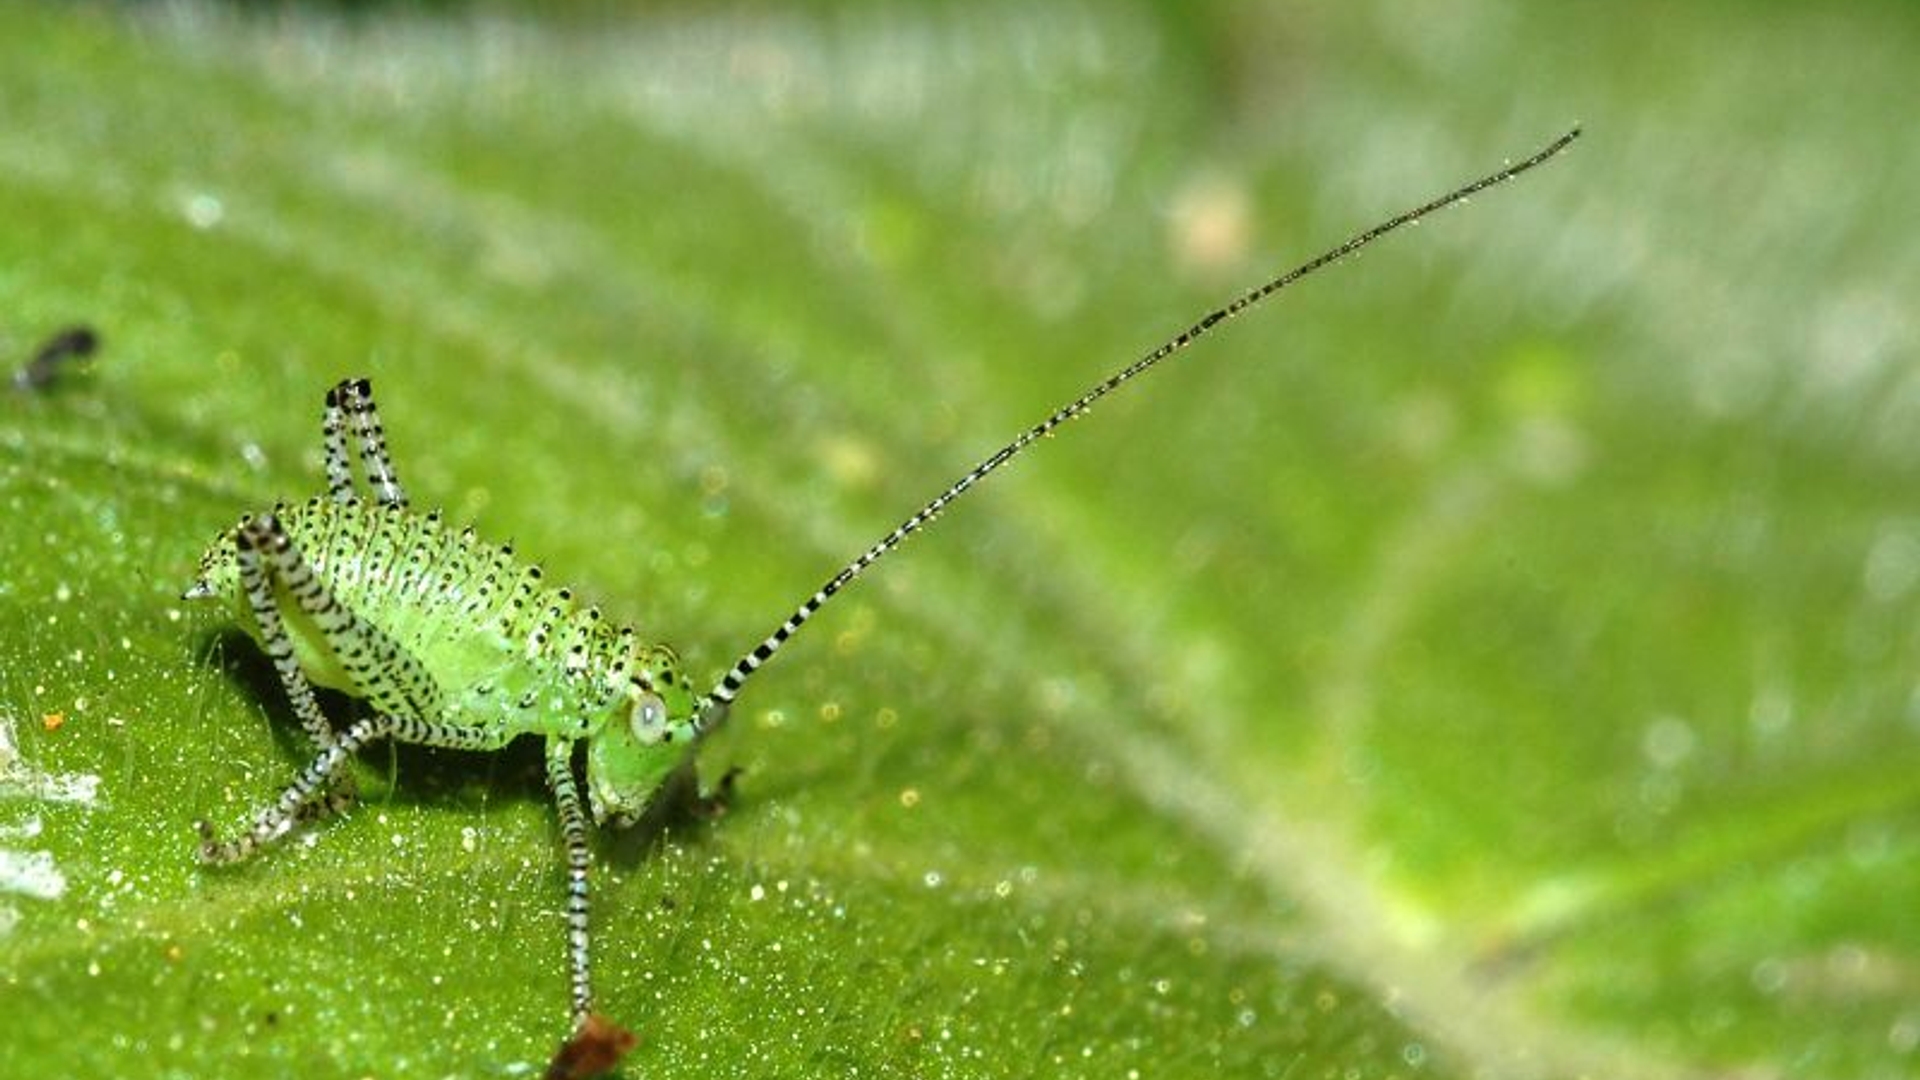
(273, 572)
(300, 801)
(304, 799)
(350, 405)
(256, 578)
(378, 667)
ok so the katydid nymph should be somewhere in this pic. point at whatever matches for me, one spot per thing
(455, 642)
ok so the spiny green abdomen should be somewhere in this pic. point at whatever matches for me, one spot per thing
(489, 634)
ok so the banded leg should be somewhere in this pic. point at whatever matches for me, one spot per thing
(270, 564)
(273, 635)
(573, 832)
(350, 404)
(296, 803)
(380, 669)
(255, 579)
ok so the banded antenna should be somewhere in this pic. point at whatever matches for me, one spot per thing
(712, 707)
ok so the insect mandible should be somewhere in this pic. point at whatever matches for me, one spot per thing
(457, 643)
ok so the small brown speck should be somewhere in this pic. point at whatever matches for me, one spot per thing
(593, 1051)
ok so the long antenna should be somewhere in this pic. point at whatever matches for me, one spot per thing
(724, 691)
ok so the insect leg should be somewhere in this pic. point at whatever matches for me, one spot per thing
(303, 799)
(273, 636)
(333, 435)
(380, 669)
(351, 404)
(573, 832)
(297, 802)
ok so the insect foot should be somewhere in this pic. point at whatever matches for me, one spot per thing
(215, 852)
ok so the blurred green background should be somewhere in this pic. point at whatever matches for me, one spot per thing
(1494, 659)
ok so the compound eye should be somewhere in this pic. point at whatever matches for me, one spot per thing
(649, 718)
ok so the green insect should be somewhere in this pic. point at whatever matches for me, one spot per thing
(456, 643)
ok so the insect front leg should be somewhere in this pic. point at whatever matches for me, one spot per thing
(705, 801)
(350, 404)
(573, 833)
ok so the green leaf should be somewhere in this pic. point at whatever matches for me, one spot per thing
(1494, 658)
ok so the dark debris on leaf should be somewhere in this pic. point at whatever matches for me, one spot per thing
(63, 350)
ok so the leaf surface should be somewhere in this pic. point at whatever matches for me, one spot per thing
(1493, 659)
